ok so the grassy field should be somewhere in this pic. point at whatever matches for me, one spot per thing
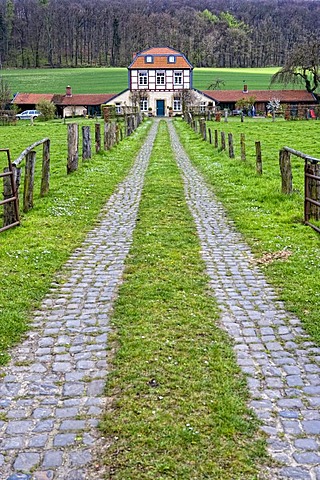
(114, 80)
(271, 222)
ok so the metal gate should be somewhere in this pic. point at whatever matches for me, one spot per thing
(10, 195)
(312, 192)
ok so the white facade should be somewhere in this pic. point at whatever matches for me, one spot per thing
(160, 80)
(160, 84)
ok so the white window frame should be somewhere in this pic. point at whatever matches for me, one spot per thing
(178, 78)
(149, 59)
(118, 108)
(143, 78)
(161, 78)
(143, 104)
(177, 106)
(171, 59)
(203, 107)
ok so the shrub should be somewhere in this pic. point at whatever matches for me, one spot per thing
(47, 109)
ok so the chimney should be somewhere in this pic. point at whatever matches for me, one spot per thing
(68, 91)
(134, 55)
(245, 89)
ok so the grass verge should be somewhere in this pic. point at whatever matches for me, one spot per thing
(271, 222)
(32, 253)
(178, 400)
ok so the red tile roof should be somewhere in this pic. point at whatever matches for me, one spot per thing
(64, 100)
(83, 99)
(32, 98)
(160, 59)
(261, 95)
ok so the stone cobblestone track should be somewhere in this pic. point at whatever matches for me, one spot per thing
(51, 395)
(281, 363)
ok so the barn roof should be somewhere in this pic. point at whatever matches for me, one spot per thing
(285, 96)
(63, 100)
(160, 59)
(83, 99)
(31, 98)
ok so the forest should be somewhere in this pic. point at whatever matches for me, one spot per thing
(211, 33)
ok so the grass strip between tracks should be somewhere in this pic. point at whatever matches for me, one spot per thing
(177, 398)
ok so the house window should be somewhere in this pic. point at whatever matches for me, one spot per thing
(202, 106)
(178, 78)
(148, 59)
(171, 59)
(118, 107)
(177, 104)
(160, 78)
(144, 104)
(143, 78)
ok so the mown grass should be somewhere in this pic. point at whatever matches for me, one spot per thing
(114, 80)
(178, 400)
(32, 253)
(270, 221)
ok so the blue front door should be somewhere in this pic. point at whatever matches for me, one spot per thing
(160, 108)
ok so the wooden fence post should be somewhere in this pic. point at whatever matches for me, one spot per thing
(86, 143)
(286, 171)
(45, 178)
(29, 181)
(210, 135)
(106, 135)
(243, 146)
(230, 142)
(216, 141)
(97, 137)
(223, 141)
(73, 154)
(258, 158)
(117, 133)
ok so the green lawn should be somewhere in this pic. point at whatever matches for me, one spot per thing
(114, 80)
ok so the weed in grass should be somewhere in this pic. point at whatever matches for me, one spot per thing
(270, 221)
(178, 399)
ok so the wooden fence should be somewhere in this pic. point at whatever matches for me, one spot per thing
(311, 170)
(112, 135)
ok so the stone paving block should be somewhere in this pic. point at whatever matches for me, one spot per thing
(306, 444)
(64, 439)
(80, 457)
(295, 473)
(19, 427)
(37, 441)
(52, 458)
(26, 461)
(311, 427)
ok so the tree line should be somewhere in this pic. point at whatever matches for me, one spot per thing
(212, 33)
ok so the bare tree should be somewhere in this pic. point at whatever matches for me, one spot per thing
(302, 66)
